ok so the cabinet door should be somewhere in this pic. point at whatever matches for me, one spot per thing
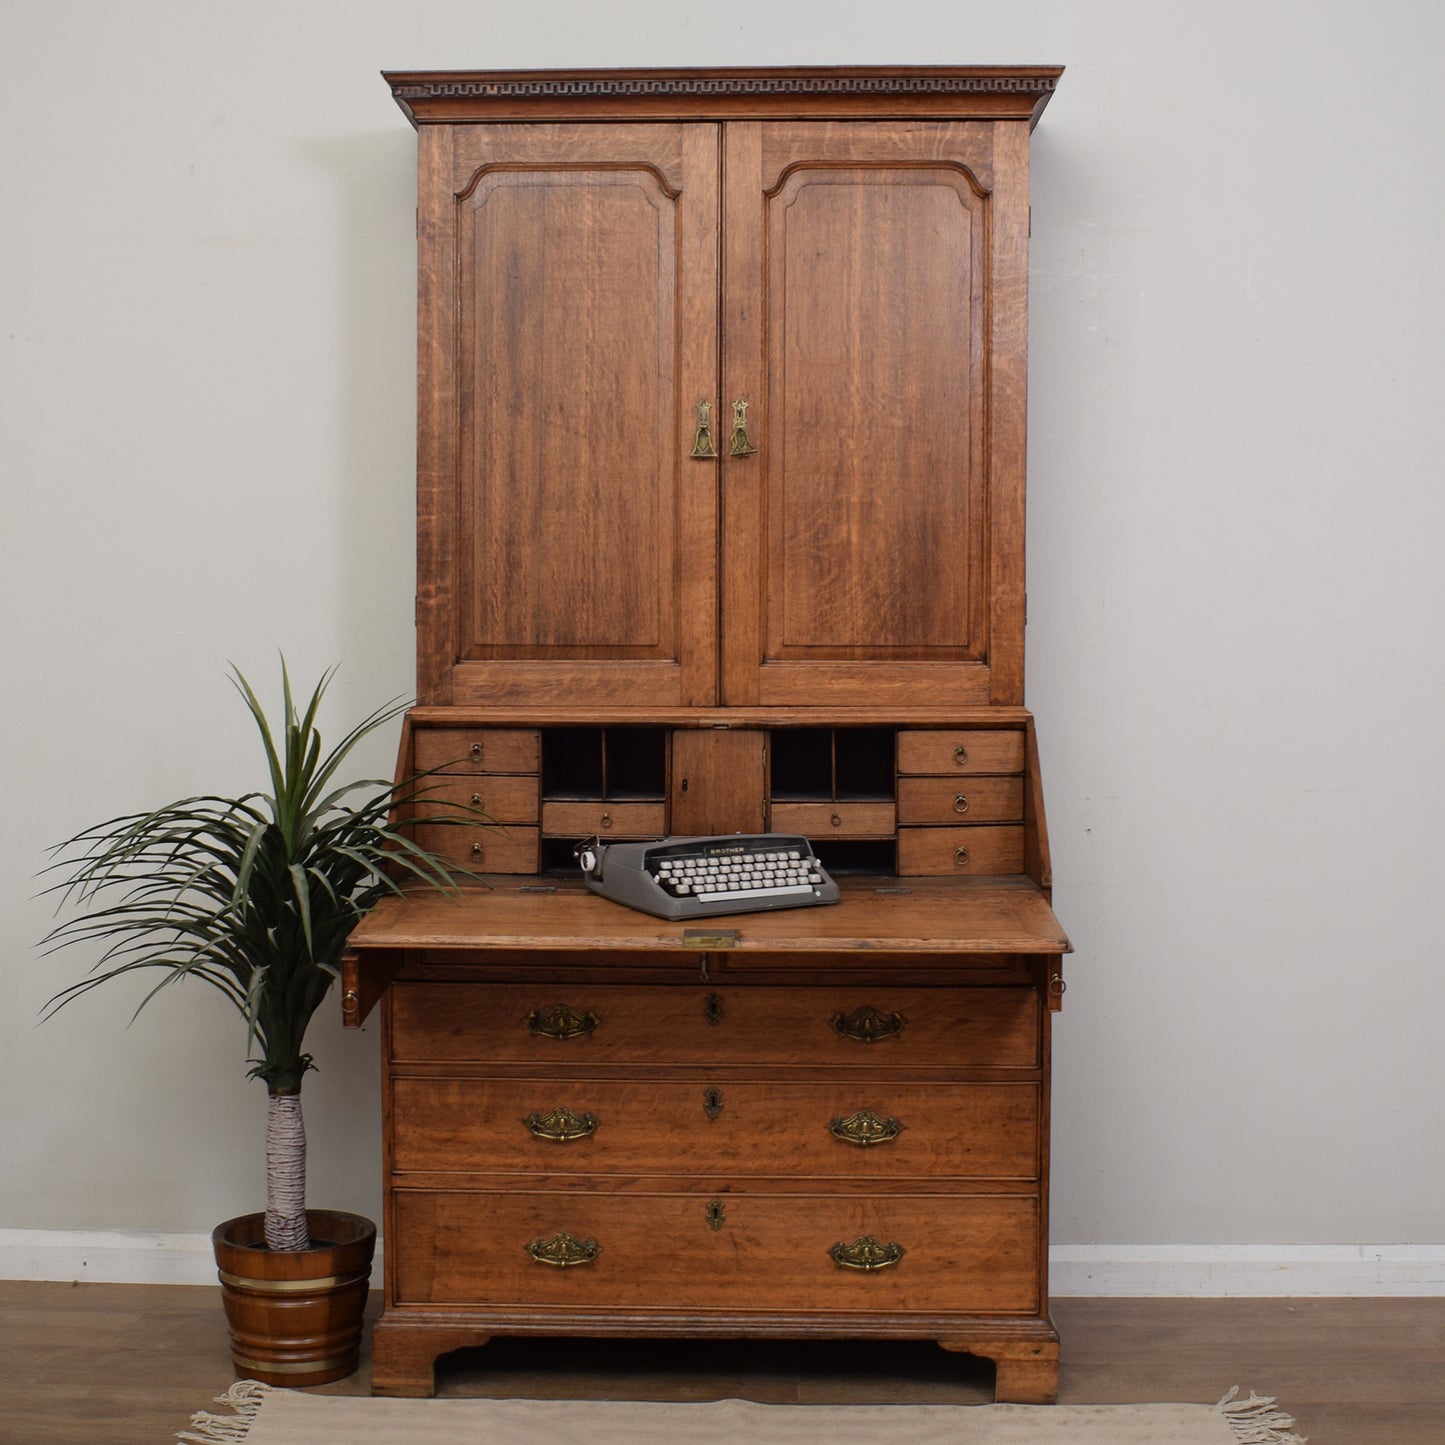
(569, 328)
(874, 287)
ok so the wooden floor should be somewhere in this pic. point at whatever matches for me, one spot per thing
(128, 1364)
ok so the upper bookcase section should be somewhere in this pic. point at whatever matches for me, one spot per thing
(954, 92)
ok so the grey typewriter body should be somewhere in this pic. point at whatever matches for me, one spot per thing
(705, 877)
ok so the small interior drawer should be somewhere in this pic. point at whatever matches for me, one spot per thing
(617, 820)
(960, 800)
(504, 798)
(482, 850)
(981, 750)
(477, 750)
(838, 820)
(960, 851)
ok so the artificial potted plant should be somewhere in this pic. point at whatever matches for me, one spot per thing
(256, 896)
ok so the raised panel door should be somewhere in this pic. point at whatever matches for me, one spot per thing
(873, 322)
(569, 326)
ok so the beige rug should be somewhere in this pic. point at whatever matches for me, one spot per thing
(263, 1416)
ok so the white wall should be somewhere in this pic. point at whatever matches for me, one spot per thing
(207, 267)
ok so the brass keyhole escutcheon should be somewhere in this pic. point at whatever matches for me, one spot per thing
(715, 1214)
(712, 1102)
(713, 1010)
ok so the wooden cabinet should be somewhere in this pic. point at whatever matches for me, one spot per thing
(723, 411)
(720, 509)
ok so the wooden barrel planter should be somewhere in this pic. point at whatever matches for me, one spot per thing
(295, 1315)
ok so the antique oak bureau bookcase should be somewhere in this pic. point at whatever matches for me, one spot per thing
(721, 512)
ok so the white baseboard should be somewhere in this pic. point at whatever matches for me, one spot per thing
(1222, 1270)
(1199, 1270)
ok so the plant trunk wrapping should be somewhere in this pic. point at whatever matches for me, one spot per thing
(285, 1173)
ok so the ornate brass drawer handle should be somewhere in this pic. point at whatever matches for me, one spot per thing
(564, 1250)
(561, 1124)
(867, 1024)
(561, 1021)
(867, 1253)
(864, 1128)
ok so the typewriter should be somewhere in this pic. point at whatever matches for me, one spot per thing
(703, 877)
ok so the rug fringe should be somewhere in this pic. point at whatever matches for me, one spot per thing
(1257, 1420)
(244, 1397)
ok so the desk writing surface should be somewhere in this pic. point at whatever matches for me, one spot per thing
(873, 915)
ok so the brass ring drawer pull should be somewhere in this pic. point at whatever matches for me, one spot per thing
(561, 1021)
(561, 1125)
(475, 752)
(960, 856)
(960, 755)
(564, 1250)
(867, 1025)
(866, 1253)
(960, 804)
(865, 1128)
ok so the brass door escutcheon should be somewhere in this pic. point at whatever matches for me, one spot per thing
(561, 1021)
(564, 1250)
(713, 1010)
(702, 447)
(715, 1214)
(561, 1125)
(712, 1102)
(865, 1127)
(866, 1253)
(741, 446)
(867, 1025)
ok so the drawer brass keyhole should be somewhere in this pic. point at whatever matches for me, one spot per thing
(715, 1214)
(713, 1010)
(712, 1102)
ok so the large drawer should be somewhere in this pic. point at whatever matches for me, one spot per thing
(756, 1252)
(568, 1025)
(850, 1128)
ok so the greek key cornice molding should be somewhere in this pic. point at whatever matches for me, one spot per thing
(594, 87)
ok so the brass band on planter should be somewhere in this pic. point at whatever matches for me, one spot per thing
(563, 1250)
(865, 1127)
(292, 1286)
(867, 1253)
(561, 1021)
(294, 1367)
(561, 1124)
(867, 1025)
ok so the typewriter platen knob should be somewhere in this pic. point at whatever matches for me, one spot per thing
(586, 855)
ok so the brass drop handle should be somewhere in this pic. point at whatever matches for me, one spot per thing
(563, 1250)
(865, 1128)
(867, 1025)
(702, 447)
(605, 820)
(477, 851)
(561, 1021)
(866, 1253)
(561, 1125)
(836, 821)
(475, 752)
(960, 856)
(476, 800)
(740, 446)
(960, 804)
(960, 755)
